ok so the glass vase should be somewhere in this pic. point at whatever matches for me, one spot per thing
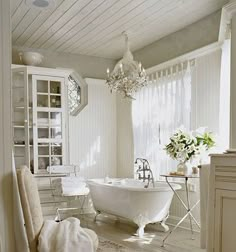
(182, 168)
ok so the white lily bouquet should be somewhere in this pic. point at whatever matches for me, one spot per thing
(184, 146)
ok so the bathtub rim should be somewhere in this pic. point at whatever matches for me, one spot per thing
(94, 181)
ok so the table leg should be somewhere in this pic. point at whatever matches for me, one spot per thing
(185, 216)
(188, 204)
(187, 207)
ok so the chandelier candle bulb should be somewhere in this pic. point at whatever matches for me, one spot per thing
(140, 66)
(108, 72)
(121, 67)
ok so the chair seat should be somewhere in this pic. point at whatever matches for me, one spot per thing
(93, 237)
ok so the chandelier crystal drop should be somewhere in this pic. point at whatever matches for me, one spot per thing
(128, 76)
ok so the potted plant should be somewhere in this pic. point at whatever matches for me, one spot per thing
(184, 146)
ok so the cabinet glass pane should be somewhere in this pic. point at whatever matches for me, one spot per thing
(42, 100)
(43, 150)
(43, 163)
(56, 133)
(42, 86)
(55, 87)
(43, 133)
(56, 149)
(55, 101)
(56, 160)
(55, 119)
(42, 119)
(18, 89)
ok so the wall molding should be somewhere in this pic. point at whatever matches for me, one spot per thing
(227, 13)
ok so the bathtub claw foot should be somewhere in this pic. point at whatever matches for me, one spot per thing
(166, 228)
(140, 231)
(97, 213)
(163, 224)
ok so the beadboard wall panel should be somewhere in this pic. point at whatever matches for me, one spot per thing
(92, 134)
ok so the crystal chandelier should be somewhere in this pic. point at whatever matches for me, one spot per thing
(128, 76)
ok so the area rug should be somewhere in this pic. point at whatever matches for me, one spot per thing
(106, 245)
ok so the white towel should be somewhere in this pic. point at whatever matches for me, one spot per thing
(74, 191)
(65, 236)
(204, 182)
(68, 184)
(70, 181)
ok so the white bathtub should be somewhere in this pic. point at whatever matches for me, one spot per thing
(129, 199)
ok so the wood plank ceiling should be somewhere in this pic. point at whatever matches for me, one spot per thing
(94, 27)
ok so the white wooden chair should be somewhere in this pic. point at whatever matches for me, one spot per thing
(32, 211)
(78, 191)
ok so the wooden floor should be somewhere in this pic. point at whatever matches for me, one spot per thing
(123, 232)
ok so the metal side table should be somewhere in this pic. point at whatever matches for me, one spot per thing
(186, 206)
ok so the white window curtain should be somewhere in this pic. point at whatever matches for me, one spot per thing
(196, 96)
(224, 117)
(211, 95)
(159, 109)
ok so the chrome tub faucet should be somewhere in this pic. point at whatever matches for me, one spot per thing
(144, 171)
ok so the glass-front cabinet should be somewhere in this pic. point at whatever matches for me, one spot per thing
(48, 121)
(40, 114)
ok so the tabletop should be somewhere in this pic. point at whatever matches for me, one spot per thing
(180, 176)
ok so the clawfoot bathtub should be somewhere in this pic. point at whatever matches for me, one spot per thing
(129, 199)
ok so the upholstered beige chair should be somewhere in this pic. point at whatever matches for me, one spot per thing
(32, 209)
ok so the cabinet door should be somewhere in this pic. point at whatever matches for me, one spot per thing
(48, 122)
(225, 221)
(21, 116)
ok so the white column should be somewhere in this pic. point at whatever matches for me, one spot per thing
(7, 243)
(233, 84)
(228, 17)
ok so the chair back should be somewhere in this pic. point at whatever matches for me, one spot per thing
(31, 207)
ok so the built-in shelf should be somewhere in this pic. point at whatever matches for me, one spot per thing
(20, 107)
(20, 126)
(42, 93)
(15, 87)
(49, 140)
(50, 155)
(21, 145)
(47, 109)
(51, 94)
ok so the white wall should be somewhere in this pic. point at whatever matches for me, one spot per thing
(7, 243)
(192, 37)
(87, 66)
(125, 148)
(92, 134)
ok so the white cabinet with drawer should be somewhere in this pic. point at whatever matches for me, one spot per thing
(222, 204)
